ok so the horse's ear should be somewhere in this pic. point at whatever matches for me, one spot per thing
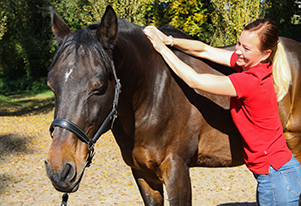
(107, 30)
(59, 28)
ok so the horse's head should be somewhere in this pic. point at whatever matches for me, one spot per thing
(83, 79)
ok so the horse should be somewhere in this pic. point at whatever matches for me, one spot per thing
(108, 76)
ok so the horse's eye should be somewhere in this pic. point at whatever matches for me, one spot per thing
(98, 92)
(99, 89)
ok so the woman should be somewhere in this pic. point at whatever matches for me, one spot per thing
(262, 78)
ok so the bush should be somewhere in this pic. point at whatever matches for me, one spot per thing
(23, 85)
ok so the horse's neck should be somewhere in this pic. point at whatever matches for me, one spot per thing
(142, 72)
(132, 65)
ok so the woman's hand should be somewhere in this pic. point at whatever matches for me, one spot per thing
(156, 37)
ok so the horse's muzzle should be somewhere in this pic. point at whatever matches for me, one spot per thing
(66, 180)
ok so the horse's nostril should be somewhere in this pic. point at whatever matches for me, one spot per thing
(68, 172)
(49, 171)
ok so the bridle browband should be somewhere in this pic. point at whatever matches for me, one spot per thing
(67, 124)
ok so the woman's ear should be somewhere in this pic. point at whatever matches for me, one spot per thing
(265, 55)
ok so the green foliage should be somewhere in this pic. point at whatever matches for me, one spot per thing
(28, 45)
(21, 85)
(25, 50)
(231, 16)
(3, 20)
(157, 12)
(282, 12)
(72, 12)
(192, 17)
(131, 10)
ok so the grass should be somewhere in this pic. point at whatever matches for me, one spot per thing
(26, 103)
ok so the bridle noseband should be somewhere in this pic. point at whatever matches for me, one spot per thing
(67, 124)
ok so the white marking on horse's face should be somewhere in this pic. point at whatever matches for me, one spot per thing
(67, 75)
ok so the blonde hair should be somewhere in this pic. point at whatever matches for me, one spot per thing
(269, 40)
(281, 72)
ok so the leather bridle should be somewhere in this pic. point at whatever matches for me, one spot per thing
(67, 124)
(72, 127)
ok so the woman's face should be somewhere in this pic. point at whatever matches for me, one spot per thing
(248, 50)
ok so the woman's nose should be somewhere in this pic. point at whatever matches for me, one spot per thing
(238, 50)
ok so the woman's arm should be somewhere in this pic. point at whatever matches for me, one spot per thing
(194, 47)
(220, 85)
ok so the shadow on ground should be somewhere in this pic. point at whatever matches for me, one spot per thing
(12, 143)
(25, 105)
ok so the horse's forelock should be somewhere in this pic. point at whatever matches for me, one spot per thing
(85, 39)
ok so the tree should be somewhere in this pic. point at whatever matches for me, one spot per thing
(25, 46)
(72, 12)
(282, 13)
(231, 16)
(192, 17)
(131, 10)
(158, 13)
(3, 28)
(28, 45)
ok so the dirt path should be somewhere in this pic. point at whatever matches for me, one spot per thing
(24, 143)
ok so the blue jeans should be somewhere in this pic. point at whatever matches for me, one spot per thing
(281, 187)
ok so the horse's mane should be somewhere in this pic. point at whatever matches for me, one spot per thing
(170, 30)
(84, 38)
(125, 26)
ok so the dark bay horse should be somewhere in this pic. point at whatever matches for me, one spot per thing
(163, 127)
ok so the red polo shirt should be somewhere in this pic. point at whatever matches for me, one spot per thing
(255, 113)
